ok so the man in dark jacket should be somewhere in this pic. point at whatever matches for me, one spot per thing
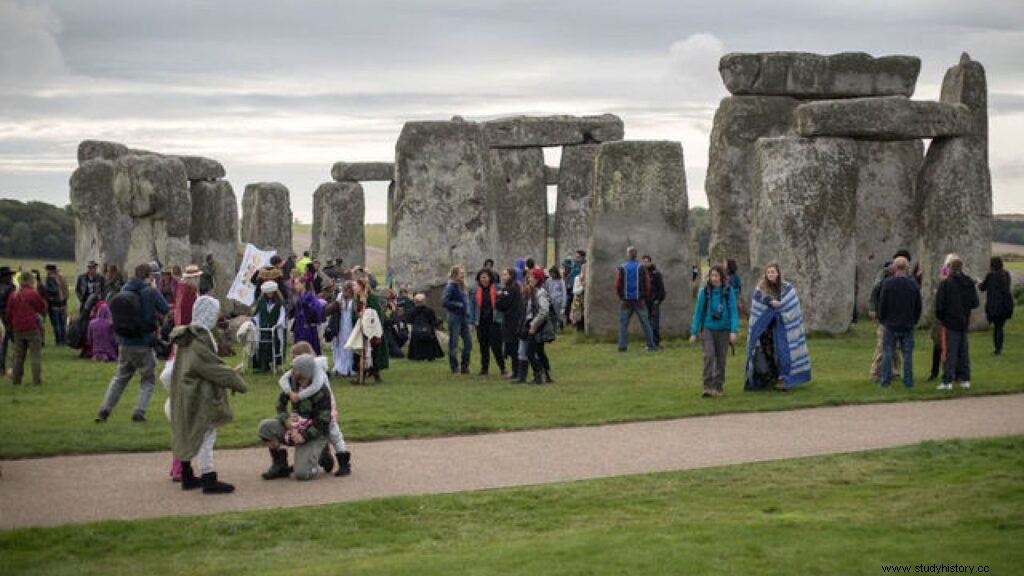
(657, 297)
(55, 291)
(899, 309)
(136, 353)
(633, 285)
(955, 299)
(89, 283)
(22, 319)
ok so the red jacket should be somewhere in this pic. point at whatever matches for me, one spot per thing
(22, 308)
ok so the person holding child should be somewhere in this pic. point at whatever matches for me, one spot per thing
(306, 426)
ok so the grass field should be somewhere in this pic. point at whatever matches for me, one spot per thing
(954, 502)
(595, 384)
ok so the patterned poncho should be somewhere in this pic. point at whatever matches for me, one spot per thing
(790, 342)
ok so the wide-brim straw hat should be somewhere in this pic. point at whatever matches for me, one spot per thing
(192, 271)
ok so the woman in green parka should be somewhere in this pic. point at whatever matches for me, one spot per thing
(199, 401)
(364, 297)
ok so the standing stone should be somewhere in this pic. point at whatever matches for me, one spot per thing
(640, 192)
(339, 229)
(267, 217)
(443, 208)
(817, 76)
(887, 203)
(575, 199)
(215, 230)
(729, 185)
(956, 188)
(805, 219)
(132, 210)
(522, 206)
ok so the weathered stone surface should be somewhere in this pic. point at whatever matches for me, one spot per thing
(575, 199)
(196, 167)
(805, 219)
(640, 193)
(540, 131)
(522, 206)
(267, 217)
(443, 207)
(363, 171)
(956, 188)
(339, 222)
(551, 175)
(201, 168)
(214, 230)
(739, 122)
(131, 210)
(887, 118)
(887, 218)
(100, 149)
(804, 75)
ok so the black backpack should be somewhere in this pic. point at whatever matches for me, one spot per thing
(126, 313)
(52, 290)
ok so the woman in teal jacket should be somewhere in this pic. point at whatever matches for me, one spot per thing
(716, 320)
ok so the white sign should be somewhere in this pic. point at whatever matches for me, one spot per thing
(242, 289)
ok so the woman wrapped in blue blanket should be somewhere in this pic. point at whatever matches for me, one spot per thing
(777, 354)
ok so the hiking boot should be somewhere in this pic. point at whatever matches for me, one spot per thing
(212, 486)
(102, 416)
(325, 461)
(279, 468)
(524, 367)
(344, 463)
(138, 416)
(188, 477)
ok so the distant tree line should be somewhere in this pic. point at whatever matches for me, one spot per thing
(1008, 231)
(36, 230)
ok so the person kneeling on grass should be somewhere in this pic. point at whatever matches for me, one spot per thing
(198, 399)
(305, 427)
(321, 381)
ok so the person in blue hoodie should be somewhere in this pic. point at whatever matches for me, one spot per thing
(716, 320)
(456, 302)
(136, 351)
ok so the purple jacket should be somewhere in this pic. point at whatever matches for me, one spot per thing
(101, 336)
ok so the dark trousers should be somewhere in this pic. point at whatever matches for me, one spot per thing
(998, 334)
(537, 356)
(654, 313)
(958, 360)
(3, 353)
(905, 339)
(59, 320)
(488, 336)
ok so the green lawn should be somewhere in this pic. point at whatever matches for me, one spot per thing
(595, 384)
(377, 236)
(954, 502)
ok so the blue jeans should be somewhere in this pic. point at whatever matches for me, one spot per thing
(458, 327)
(906, 339)
(958, 358)
(625, 312)
(59, 320)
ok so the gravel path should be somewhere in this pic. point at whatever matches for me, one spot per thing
(61, 490)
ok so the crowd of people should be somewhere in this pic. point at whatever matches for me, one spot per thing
(513, 314)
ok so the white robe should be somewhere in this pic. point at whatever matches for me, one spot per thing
(342, 355)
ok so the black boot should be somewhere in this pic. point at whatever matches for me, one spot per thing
(326, 462)
(344, 464)
(212, 486)
(279, 468)
(537, 371)
(524, 367)
(936, 362)
(547, 376)
(188, 477)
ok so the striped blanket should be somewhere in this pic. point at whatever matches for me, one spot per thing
(790, 341)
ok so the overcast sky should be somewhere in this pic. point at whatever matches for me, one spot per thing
(281, 90)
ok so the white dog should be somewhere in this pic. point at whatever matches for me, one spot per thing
(248, 338)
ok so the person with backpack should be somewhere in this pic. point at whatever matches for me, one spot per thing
(136, 312)
(21, 316)
(55, 290)
(716, 320)
(633, 286)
